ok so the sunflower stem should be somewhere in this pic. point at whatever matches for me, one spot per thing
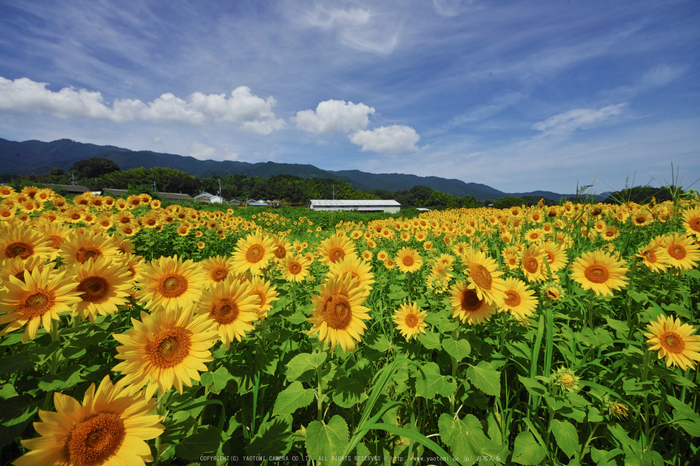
(589, 311)
(160, 410)
(455, 365)
(319, 392)
(647, 411)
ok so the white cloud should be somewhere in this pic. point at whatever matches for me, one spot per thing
(242, 108)
(496, 106)
(357, 28)
(389, 140)
(334, 116)
(201, 151)
(568, 122)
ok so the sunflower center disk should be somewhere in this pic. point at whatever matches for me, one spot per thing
(87, 252)
(94, 289)
(173, 286)
(95, 439)
(336, 254)
(219, 274)
(169, 348)
(470, 301)
(597, 274)
(407, 261)
(673, 343)
(254, 254)
(22, 250)
(411, 320)
(225, 311)
(531, 265)
(280, 252)
(512, 298)
(482, 277)
(338, 314)
(677, 252)
(36, 304)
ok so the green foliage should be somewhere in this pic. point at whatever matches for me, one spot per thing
(93, 168)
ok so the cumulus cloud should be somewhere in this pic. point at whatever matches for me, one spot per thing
(568, 122)
(388, 140)
(241, 108)
(334, 116)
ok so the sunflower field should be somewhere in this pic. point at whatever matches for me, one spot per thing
(133, 332)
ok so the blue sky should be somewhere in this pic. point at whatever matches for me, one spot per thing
(517, 95)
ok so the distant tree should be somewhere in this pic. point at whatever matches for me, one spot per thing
(468, 202)
(419, 195)
(509, 201)
(383, 194)
(94, 167)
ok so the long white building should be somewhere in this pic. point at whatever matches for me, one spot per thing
(381, 205)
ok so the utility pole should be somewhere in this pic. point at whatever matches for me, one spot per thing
(334, 192)
(72, 177)
(154, 187)
(219, 187)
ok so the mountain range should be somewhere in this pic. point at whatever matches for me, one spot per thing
(37, 157)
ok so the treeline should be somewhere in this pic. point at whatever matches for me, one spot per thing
(424, 196)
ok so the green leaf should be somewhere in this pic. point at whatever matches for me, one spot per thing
(465, 437)
(216, 381)
(430, 382)
(684, 416)
(379, 343)
(325, 442)
(303, 362)
(458, 349)
(566, 436)
(638, 296)
(533, 386)
(297, 318)
(430, 340)
(348, 392)
(273, 439)
(21, 361)
(205, 440)
(14, 417)
(292, 398)
(527, 451)
(485, 378)
(7, 391)
(67, 378)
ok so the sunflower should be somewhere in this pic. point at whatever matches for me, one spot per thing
(600, 272)
(253, 253)
(16, 266)
(566, 379)
(281, 247)
(359, 269)
(296, 268)
(654, 255)
(217, 268)
(23, 241)
(681, 251)
(410, 320)
(691, 222)
(103, 285)
(338, 315)
(408, 260)
(85, 243)
(266, 293)
(110, 427)
(36, 301)
(467, 306)
(674, 341)
(334, 248)
(555, 256)
(169, 282)
(134, 265)
(553, 291)
(231, 305)
(165, 349)
(483, 277)
(519, 299)
(532, 263)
